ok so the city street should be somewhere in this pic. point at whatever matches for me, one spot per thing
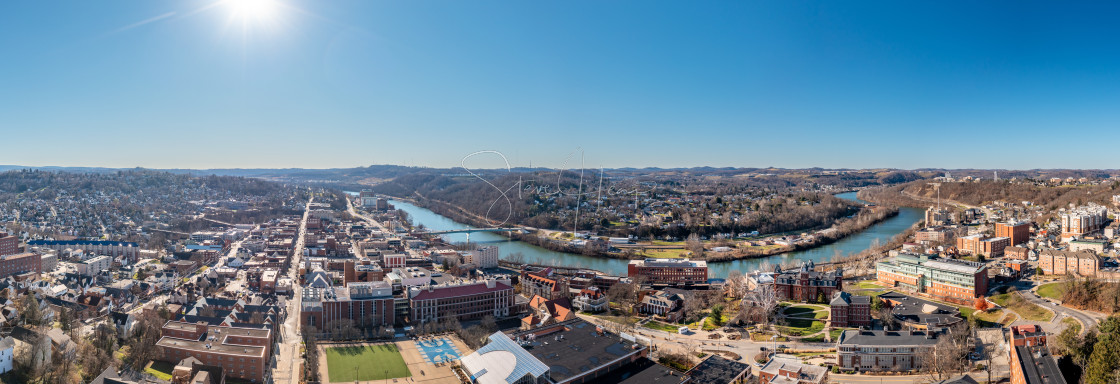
(288, 357)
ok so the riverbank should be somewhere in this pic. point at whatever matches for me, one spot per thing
(741, 250)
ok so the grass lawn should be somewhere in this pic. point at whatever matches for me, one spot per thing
(798, 310)
(761, 336)
(662, 326)
(1072, 323)
(664, 253)
(868, 284)
(708, 326)
(160, 369)
(1052, 290)
(618, 319)
(798, 327)
(1024, 308)
(373, 362)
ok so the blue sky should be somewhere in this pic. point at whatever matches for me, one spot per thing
(193, 84)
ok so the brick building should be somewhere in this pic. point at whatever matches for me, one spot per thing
(9, 245)
(878, 350)
(1016, 253)
(848, 310)
(466, 301)
(1031, 361)
(1019, 232)
(543, 283)
(243, 353)
(20, 263)
(934, 235)
(669, 271)
(981, 245)
(1059, 262)
(806, 284)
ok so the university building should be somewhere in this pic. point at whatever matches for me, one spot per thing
(1019, 232)
(367, 304)
(805, 284)
(465, 301)
(243, 353)
(947, 279)
(669, 271)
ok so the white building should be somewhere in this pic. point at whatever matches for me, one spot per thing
(7, 352)
(485, 257)
(95, 265)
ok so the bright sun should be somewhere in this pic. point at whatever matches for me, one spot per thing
(253, 10)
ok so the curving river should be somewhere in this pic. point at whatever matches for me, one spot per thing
(882, 231)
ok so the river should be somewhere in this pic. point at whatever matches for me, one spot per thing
(883, 232)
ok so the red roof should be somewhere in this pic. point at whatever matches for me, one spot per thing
(461, 290)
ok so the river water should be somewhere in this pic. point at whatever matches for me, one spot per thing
(882, 232)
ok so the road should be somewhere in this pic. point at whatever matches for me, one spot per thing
(1088, 320)
(288, 354)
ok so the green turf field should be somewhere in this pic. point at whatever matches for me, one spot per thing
(374, 362)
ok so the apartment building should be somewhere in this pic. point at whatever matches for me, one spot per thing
(1059, 262)
(934, 235)
(1082, 220)
(95, 265)
(1092, 245)
(367, 304)
(669, 271)
(1018, 232)
(937, 216)
(243, 353)
(465, 301)
(1016, 253)
(849, 310)
(948, 279)
(9, 245)
(879, 350)
(805, 284)
(20, 263)
(484, 257)
(130, 251)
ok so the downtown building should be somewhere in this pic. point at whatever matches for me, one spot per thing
(952, 280)
(462, 301)
(668, 271)
(365, 304)
(807, 285)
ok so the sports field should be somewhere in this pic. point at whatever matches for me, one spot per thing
(373, 362)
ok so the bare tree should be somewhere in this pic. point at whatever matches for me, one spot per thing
(693, 244)
(947, 357)
(760, 303)
(736, 284)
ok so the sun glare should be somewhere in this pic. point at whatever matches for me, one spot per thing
(253, 10)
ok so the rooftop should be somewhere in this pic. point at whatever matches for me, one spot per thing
(577, 349)
(716, 369)
(894, 338)
(643, 371)
(1038, 365)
